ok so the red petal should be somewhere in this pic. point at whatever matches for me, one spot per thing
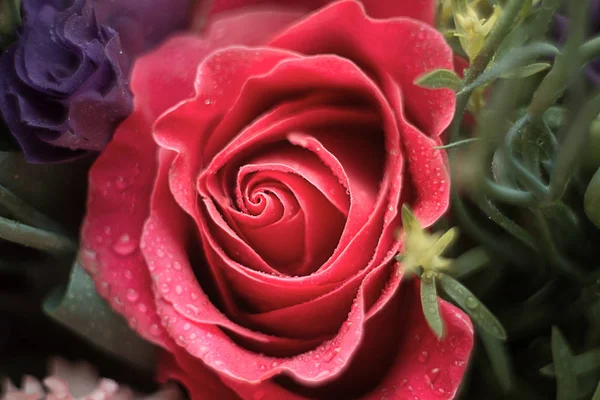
(421, 366)
(120, 184)
(419, 9)
(201, 384)
(344, 29)
(122, 178)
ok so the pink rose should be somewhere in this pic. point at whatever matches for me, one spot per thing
(243, 217)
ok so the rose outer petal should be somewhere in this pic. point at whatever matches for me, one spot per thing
(345, 30)
(122, 178)
(422, 366)
(423, 10)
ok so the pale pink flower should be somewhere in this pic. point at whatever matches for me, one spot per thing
(78, 381)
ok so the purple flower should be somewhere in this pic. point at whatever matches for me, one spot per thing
(64, 82)
(561, 30)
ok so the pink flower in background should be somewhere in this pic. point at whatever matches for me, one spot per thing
(243, 216)
(78, 381)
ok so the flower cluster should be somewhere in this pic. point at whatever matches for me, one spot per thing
(268, 182)
(78, 381)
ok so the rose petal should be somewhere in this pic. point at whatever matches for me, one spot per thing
(121, 181)
(344, 29)
(419, 9)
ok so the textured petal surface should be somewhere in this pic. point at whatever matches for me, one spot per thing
(255, 202)
(418, 9)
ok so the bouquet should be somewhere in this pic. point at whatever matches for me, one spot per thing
(294, 200)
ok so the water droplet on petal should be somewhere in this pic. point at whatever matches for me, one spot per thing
(121, 183)
(423, 357)
(154, 330)
(125, 245)
(132, 295)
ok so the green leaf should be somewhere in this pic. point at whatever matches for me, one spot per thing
(457, 143)
(596, 395)
(566, 378)
(511, 60)
(409, 221)
(468, 302)
(81, 309)
(499, 359)
(470, 262)
(10, 18)
(429, 302)
(556, 117)
(585, 363)
(439, 79)
(524, 72)
(444, 242)
(591, 199)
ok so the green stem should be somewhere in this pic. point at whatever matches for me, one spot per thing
(494, 39)
(590, 50)
(529, 180)
(30, 236)
(507, 194)
(566, 66)
(491, 45)
(505, 223)
(562, 265)
(24, 212)
(569, 154)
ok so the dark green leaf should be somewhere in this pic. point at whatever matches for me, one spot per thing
(591, 199)
(566, 377)
(499, 359)
(80, 308)
(596, 395)
(556, 117)
(429, 302)
(511, 60)
(585, 363)
(439, 79)
(468, 302)
(524, 72)
(470, 262)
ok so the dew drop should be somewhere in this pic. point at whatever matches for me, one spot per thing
(178, 289)
(142, 308)
(423, 357)
(472, 302)
(187, 327)
(132, 295)
(177, 265)
(121, 183)
(154, 330)
(125, 245)
(165, 288)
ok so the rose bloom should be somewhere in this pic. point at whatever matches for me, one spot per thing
(243, 218)
(64, 82)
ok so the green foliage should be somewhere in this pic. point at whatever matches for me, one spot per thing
(439, 79)
(525, 193)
